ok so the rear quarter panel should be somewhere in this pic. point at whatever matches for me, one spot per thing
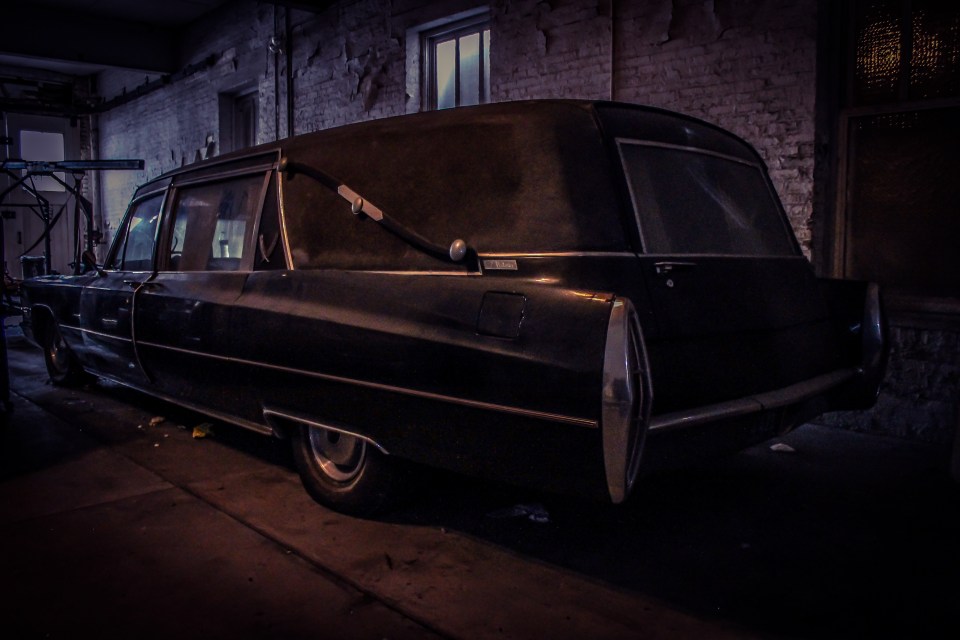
(400, 359)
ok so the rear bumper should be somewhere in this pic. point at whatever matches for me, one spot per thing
(678, 439)
(736, 424)
(793, 395)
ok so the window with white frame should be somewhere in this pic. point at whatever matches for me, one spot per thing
(456, 64)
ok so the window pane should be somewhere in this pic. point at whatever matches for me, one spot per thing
(470, 69)
(213, 223)
(903, 220)
(934, 68)
(689, 202)
(228, 239)
(486, 65)
(42, 145)
(446, 62)
(134, 250)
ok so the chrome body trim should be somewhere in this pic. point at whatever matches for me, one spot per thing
(217, 415)
(734, 256)
(472, 274)
(330, 426)
(358, 204)
(680, 147)
(266, 167)
(221, 160)
(475, 404)
(559, 254)
(99, 334)
(752, 404)
(283, 221)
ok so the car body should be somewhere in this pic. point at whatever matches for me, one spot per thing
(561, 294)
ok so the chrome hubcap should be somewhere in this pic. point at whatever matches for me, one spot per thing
(339, 456)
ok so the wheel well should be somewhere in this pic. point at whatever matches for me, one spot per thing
(286, 424)
(42, 320)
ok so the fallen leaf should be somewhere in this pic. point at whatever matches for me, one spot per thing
(203, 430)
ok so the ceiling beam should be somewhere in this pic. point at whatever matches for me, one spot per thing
(41, 32)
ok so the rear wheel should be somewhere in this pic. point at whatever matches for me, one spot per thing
(62, 364)
(344, 472)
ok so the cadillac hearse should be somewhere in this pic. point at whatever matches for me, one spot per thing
(560, 294)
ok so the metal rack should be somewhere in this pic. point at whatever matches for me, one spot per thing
(83, 210)
(42, 209)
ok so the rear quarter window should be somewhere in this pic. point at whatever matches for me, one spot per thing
(693, 201)
(504, 185)
(213, 225)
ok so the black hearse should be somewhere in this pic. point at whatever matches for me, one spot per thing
(554, 293)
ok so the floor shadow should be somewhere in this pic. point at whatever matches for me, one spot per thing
(843, 536)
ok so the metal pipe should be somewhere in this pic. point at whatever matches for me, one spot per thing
(288, 52)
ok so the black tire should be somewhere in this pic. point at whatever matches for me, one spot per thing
(344, 472)
(62, 364)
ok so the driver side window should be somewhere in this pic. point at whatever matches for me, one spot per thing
(213, 225)
(136, 238)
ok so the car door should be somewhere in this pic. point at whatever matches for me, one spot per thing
(737, 306)
(108, 302)
(183, 316)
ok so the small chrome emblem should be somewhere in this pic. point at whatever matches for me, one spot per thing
(500, 265)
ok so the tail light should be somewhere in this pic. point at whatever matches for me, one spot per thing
(627, 398)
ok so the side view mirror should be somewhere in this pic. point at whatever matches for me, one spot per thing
(89, 260)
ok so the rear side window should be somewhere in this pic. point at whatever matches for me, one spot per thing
(501, 183)
(689, 201)
(133, 250)
(213, 225)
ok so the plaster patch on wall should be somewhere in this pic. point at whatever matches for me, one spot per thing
(370, 74)
(695, 20)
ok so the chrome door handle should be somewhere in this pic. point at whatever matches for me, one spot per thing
(667, 266)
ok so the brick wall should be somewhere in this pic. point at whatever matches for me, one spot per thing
(748, 66)
(918, 398)
(559, 49)
(178, 123)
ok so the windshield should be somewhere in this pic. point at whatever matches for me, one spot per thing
(690, 201)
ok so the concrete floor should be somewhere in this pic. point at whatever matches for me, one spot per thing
(113, 527)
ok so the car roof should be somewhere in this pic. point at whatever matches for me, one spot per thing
(422, 123)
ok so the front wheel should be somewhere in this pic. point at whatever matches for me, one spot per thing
(344, 472)
(62, 364)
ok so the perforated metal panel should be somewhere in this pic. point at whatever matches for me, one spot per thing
(879, 51)
(902, 217)
(935, 59)
(903, 227)
(905, 51)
